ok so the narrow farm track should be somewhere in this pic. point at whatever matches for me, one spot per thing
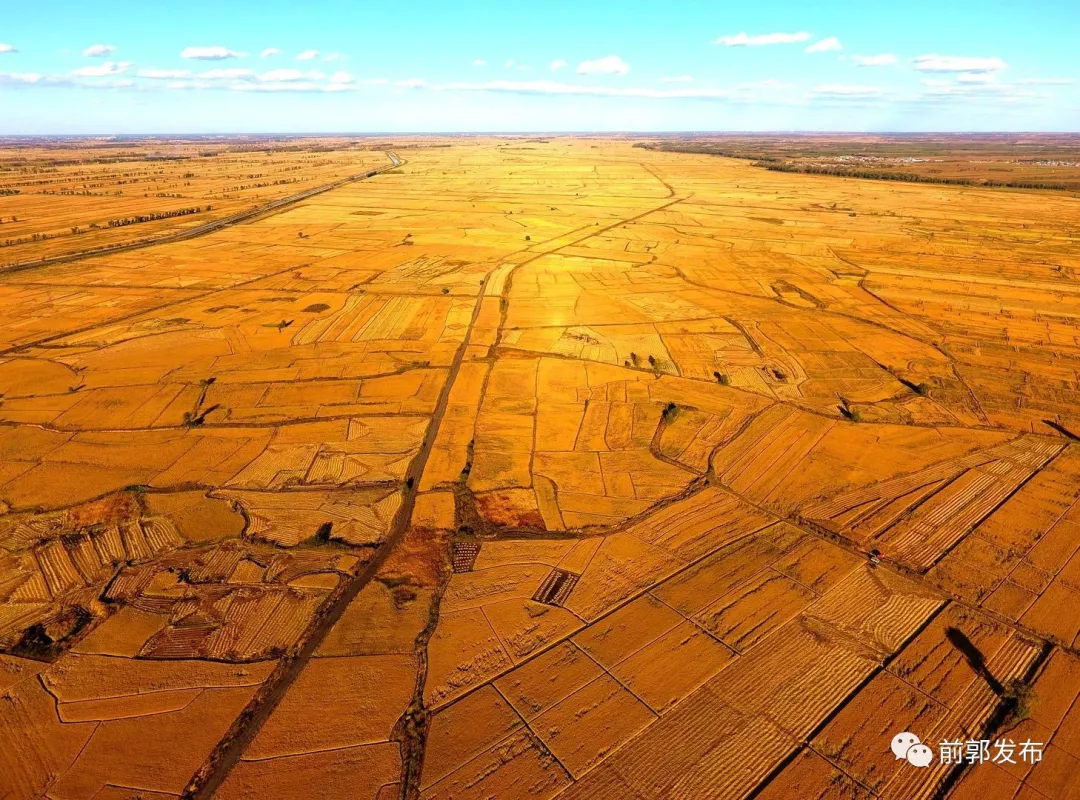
(226, 756)
(414, 746)
(212, 775)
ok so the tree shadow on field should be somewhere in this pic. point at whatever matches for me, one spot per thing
(974, 658)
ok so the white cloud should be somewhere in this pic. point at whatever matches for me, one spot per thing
(558, 63)
(843, 90)
(880, 60)
(210, 53)
(99, 50)
(101, 70)
(511, 64)
(608, 65)
(742, 40)
(287, 86)
(976, 77)
(1047, 82)
(19, 78)
(559, 88)
(163, 74)
(280, 75)
(269, 51)
(935, 63)
(479, 62)
(24, 79)
(992, 92)
(678, 79)
(825, 45)
(226, 74)
(7, 48)
(104, 76)
(333, 57)
(308, 55)
(768, 83)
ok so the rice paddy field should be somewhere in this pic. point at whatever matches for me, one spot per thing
(509, 467)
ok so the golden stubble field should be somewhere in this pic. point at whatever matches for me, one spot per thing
(541, 468)
(82, 195)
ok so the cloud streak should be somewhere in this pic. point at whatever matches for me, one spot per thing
(936, 63)
(772, 84)
(841, 90)
(287, 86)
(743, 40)
(989, 92)
(1046, 82)
(608, 65)
(572, 89)
(880, 60)
(278, 75)
(101, 70)
(163, 74)
(215, 53)
(832, 44)
(99, 50)
(235, 73)
(19, 78)
(977, 77)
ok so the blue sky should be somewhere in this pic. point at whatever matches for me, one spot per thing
(547, 65)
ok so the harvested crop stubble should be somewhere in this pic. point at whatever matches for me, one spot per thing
(535, 468)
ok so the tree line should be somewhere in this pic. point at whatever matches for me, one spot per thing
(907, 177)
(179, 212)
(777, 164)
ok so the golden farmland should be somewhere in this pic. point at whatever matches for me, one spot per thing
(83, 195)
(532, 468)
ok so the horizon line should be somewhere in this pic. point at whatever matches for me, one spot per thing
(629, 132)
